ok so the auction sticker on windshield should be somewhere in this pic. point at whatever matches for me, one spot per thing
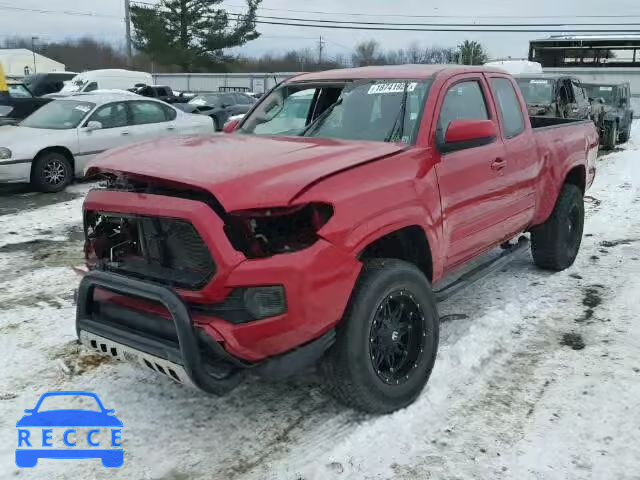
(391, 88)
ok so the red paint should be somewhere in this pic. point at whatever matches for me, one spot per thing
(469, 130)
(229, 127)
(466, 201)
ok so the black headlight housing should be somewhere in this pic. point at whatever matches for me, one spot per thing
(272, 231)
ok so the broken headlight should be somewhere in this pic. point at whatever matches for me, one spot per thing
(271, 231)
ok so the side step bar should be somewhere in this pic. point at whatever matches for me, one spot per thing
(482, 270)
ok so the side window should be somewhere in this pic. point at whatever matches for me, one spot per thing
(147, 112)
(227, 100)
(463, 100)
(91, 87)
(113, 115)
(508, 106)
(169, 113)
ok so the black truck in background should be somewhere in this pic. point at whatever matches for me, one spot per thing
(18, 102)
(611, 111)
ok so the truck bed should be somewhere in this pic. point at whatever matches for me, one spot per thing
(551, 122)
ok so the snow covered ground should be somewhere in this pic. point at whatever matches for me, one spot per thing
(538, 375)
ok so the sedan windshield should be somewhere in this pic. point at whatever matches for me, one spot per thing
(375, 110)
(58, 115)
(201, 100)
(537, 91)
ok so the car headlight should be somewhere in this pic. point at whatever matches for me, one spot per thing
(5, 153)
(271, 231)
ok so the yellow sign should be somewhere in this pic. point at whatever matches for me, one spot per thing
(3, 81)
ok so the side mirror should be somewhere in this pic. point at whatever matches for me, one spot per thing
(231, 126)
(462, 134)
(93, 125)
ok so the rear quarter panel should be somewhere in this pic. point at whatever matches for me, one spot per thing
(563, 148)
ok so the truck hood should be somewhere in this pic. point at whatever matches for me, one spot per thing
(242, 171)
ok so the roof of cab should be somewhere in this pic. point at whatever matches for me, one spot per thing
(417, 72)
(549, 76)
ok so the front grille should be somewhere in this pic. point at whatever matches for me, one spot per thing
(165, 250)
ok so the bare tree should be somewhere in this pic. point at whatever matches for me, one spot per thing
(367, 53)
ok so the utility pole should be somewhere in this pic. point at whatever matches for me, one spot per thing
(33, 50)
(321, 44)
(127, 27)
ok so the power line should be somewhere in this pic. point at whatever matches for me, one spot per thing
(427, 16)
(390, 24)
(58, 12)
(341, 14)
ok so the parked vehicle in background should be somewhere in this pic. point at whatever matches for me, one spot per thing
(18, 103)
(219, 106)
(160, 92)
(611, 111)
(266, 251)
(106, 79)
(551, 95)
(53, 145)
(44, 83)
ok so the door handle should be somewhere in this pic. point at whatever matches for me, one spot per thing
(171, 127)
(498, 164)
(125, 133)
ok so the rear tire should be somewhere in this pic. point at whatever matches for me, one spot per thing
(555, 243)
(610, 135)
(51, 172)
(626, 134)
(387, 341)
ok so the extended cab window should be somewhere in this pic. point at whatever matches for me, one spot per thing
(463, 100)
(508, 107)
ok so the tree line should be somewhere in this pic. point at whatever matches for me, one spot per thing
(90, 54)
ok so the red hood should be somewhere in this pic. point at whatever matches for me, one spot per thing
(242, 171)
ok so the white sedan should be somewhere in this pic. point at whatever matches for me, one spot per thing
(53, 145)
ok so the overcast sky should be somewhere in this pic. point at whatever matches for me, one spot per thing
(108, 24)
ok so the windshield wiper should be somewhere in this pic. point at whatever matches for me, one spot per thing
(321, 118)
(399, 118)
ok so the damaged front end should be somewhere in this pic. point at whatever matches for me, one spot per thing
(172, 285)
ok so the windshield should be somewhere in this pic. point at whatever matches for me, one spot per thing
(205, 100)
(17, 90)
(58, 115)
(74, 85)
(376, 110)
(536, 91)
(605, 92)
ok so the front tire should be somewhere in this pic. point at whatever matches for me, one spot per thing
(387, 341)
(51, 172)
(555, 243)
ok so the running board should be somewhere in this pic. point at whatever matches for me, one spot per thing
(482, 270)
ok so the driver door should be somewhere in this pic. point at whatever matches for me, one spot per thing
(114, 132)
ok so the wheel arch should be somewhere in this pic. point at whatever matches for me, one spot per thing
(56, 149)
(409, 243)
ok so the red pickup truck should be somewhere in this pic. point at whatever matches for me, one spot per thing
(322, 229)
